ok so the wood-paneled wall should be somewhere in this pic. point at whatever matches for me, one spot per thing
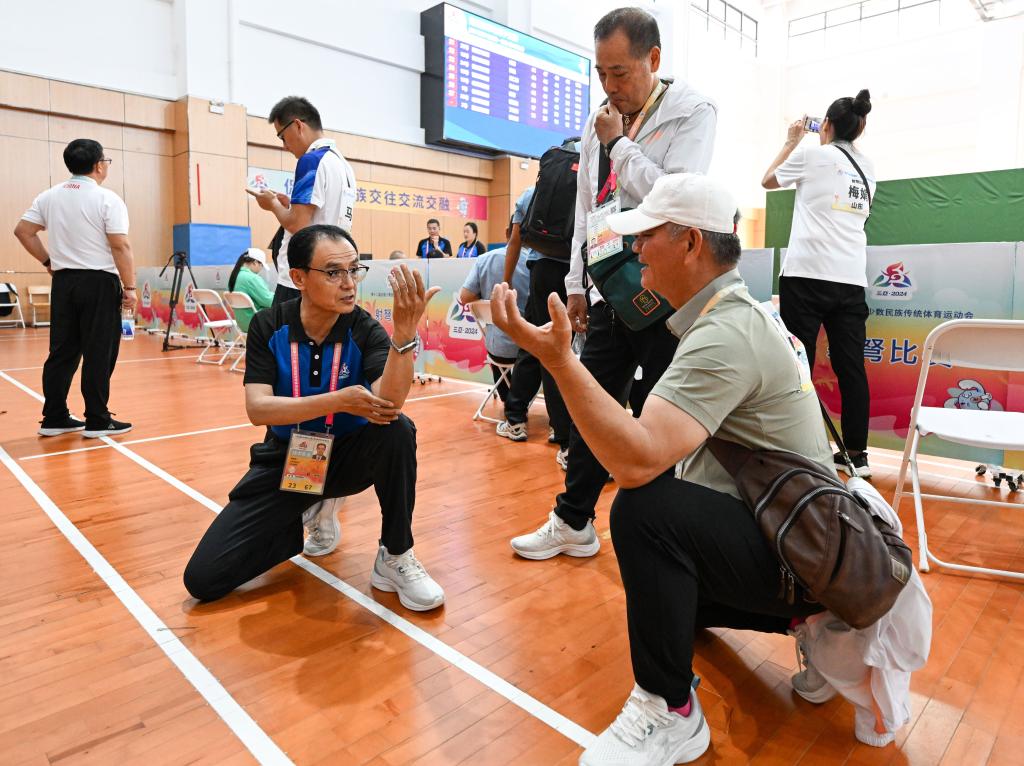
(180, 162)
(38, 118)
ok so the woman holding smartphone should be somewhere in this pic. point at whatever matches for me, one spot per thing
(823, 276)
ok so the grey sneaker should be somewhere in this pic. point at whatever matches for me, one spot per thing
(514, 431)
(406, 576)
(555, 537)
(323, 530)
(809, 683)
(562, 458)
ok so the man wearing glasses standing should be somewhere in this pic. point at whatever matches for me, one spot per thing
(325, 185)
(321, 370)
(90, 259)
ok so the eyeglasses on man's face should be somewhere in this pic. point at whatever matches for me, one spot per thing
(107, 160)
(356, 273)
(280, 133)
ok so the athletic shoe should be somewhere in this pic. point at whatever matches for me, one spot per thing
(110, 428)
(406, 576)
(58, 426)
(557, 537)
(551, 436)
(323, 531)
(513, 431)
(860, 463)
(562, 458)
(809, 683)
(647, 733)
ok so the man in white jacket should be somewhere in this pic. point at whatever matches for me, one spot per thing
(648, 128)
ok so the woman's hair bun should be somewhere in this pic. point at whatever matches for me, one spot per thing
(862, 103)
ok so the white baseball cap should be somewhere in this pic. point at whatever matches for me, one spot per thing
(257, 255)
(688, 199)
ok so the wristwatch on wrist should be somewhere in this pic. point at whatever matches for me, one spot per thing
(406, 347)
(611, 144)
(128, 289)
(46, 263)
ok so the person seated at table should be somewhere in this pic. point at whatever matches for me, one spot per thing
(434, 245)
(471, 246)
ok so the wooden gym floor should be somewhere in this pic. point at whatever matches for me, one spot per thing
(105, 659)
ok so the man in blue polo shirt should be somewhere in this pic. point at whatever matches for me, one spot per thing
(325, 185)
(314, 366)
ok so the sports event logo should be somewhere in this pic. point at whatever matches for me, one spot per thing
(894, 283)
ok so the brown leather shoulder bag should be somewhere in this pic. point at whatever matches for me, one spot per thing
(846, 558)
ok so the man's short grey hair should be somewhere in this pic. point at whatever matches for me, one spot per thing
(725, 247)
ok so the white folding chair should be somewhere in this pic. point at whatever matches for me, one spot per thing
(981, 344)
(39, 297)
(237, 300)
(481, 311)
(9, 299)
(221, 330)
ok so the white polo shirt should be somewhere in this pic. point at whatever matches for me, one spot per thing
(827, 240)
(78, 214)
(324, 179)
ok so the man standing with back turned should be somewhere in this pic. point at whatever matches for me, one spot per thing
(93, 271)
(648, 128)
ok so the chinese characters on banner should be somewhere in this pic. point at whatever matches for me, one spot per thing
(397, 199)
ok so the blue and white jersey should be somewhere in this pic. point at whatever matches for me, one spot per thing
(324, 179)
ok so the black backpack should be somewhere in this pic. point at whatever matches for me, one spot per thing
(551, 216)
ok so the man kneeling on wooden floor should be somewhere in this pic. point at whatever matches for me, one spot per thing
(321, 371)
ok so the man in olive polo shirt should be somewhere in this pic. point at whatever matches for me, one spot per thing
(689, 551)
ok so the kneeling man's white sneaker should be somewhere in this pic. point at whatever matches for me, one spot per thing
(406, 576)
(647, 733)
(557, 537)
(323, 530)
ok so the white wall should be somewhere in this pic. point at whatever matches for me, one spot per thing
(948, 100)
(122, 44)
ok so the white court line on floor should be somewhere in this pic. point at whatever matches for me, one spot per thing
(187, 433)
(119, 361)
(513, 694)
(138, 441)
(565, 726)
(255, 740)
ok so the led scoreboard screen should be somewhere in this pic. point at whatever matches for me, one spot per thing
(488, 86)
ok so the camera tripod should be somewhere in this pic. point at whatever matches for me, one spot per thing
(180, 262)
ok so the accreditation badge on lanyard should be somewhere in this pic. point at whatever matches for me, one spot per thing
(309, 452)
(602, 242)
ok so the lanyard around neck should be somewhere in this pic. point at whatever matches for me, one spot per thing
(611, 184)
(333, 386)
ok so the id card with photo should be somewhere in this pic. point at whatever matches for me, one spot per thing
(602, 242)
(305, 464)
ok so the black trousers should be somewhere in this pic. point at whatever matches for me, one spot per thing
(546, 276)
(806, 305)
(692, 558)
(611, 354)
(261, 525)
(282, 294)
(85, 326)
